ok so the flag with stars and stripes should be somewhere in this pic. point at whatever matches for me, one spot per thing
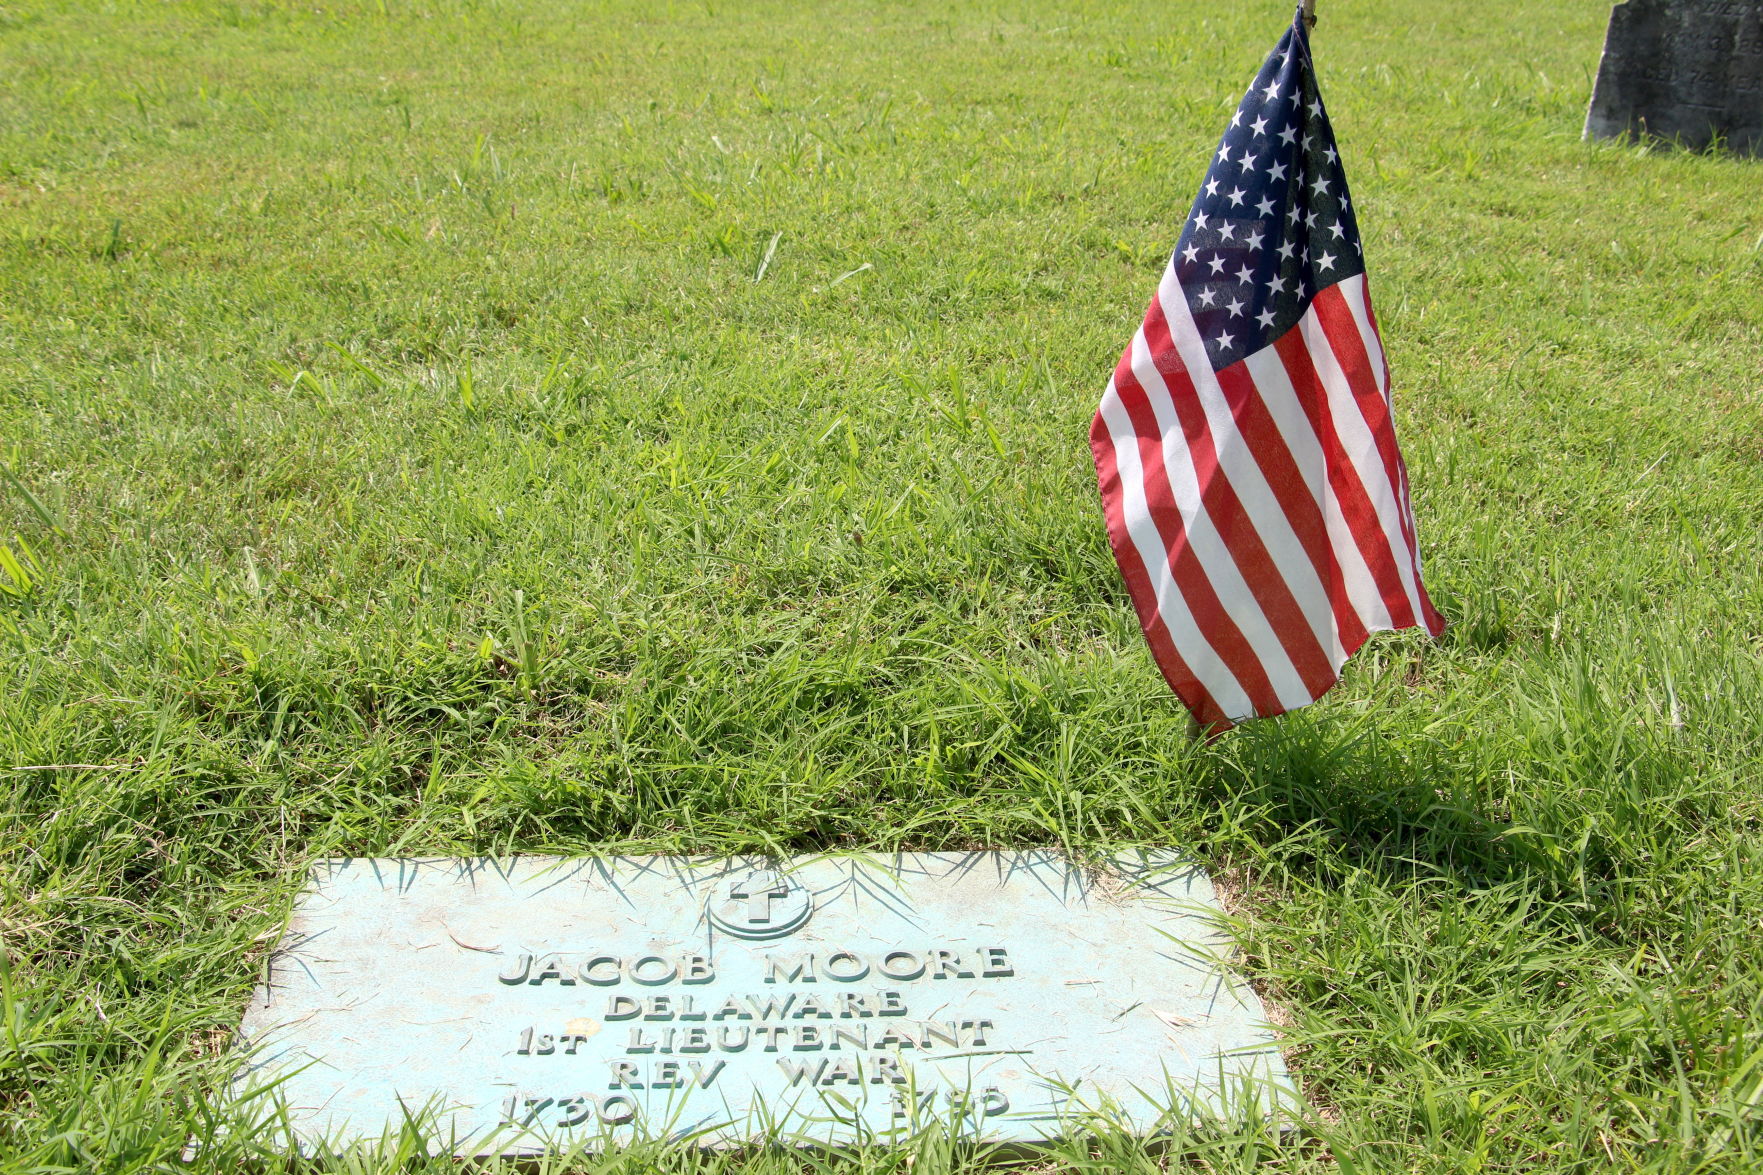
(1255, 498)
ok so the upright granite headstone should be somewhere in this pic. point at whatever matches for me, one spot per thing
(1690, 71)
(537, 1002)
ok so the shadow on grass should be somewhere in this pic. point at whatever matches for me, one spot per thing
(1582, 800)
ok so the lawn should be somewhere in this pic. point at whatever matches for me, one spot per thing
(440, 426)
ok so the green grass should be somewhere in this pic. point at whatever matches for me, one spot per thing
(437, 426)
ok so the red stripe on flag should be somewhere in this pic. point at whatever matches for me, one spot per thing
(1343, 478)
(1297, 497)
(1342, 332)
(1190, 576)
(1371, 318)
(1374, 398)
(1435, 620)
(1225, 509)
(1169, 660)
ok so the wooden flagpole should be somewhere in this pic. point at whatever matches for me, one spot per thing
(1309, 14)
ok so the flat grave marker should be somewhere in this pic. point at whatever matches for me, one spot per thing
(542, 1001)
(1687, 70)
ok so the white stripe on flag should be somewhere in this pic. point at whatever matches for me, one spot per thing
(1202, 659)
(1244, 473)
(1275, 385)
(1354, 292)
(1360, 448)
(1210, 549)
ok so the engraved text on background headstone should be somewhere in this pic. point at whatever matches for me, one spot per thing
(1685, 70)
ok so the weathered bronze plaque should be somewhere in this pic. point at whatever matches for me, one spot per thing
(532, 1002)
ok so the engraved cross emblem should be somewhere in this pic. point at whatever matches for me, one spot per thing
(766, 903)
(761, 888)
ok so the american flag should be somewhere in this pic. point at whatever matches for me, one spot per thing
(1255, 499)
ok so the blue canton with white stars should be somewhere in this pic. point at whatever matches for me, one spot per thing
(1272, 224)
